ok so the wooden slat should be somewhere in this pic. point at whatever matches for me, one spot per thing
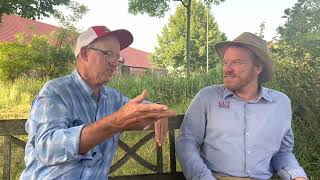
(131, 152)
(172, 151)
(16, 126)
(6, 157)
(159, 159)
(173, 123)
(12, 127)
(18, 142)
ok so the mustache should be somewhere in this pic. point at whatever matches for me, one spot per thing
(229, 74)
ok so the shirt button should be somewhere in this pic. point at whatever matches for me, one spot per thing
(248, 152)
(247, 134)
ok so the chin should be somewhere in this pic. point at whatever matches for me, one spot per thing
(230, 86)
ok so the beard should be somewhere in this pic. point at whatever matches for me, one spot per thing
(235, 82)
(105, 76)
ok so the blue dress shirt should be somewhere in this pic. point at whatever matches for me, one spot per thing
(223, 134)
(58, 114)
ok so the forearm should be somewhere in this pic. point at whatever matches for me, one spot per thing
(192, 164)
(57, 145)
(285, 163)
(95, 133)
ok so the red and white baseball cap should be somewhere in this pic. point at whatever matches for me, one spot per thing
(124, 36)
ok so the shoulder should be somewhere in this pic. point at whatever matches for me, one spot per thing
(57, 86)
(277, 96)
(111, 91)
(209, 95)
(211, 91)
(114, 94)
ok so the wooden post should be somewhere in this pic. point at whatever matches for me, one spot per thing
(159, 159)
(172, 151)
(6, 157)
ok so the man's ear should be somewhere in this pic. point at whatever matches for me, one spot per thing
(84, 53)
(259, 69)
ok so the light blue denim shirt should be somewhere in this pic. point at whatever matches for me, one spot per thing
(223, 134)
(58, 114)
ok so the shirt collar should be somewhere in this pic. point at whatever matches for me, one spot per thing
(85, 88)
(263, 94)
(227, 93)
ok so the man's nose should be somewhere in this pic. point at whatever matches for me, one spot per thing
(113, 62)
(227, 67)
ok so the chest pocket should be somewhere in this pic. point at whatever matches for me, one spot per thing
(76, 122)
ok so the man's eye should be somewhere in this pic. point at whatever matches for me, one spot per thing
(110, 55)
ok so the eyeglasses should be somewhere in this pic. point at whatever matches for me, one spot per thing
(109, 56)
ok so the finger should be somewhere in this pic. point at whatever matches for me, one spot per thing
(154, 116)
(163, 128)
(157, 132)
(151, 107)
(147, 127)
(140, 97)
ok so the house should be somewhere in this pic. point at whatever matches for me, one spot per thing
(136, 61)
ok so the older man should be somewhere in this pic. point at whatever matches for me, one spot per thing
(239, 130)
(75, 120)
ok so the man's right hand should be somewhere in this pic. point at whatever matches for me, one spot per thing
(136, 114)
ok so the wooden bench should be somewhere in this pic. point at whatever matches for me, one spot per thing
(11, 128)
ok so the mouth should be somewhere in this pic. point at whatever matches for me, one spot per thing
(229, 77)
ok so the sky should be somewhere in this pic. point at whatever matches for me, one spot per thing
(233, 18)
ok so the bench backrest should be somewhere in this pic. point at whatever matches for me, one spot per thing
(11, 128)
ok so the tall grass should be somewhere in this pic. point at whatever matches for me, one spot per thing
(16, 97)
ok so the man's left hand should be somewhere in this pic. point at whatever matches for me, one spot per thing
(160, 129)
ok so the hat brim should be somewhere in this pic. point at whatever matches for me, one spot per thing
(124, 37)
(266, 74)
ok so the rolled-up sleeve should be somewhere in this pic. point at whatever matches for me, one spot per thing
(190, 138)
(54, 137)
(284, 162)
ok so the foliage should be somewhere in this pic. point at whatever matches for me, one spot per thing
(76, 12)
(15, 60)
(157, 8)
(302, 27)
(47, 55)
(38, 59)
(31, 8)
(171, 51)
(299, 80)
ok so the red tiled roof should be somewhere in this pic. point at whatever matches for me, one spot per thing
(135, 58)
(12, 24)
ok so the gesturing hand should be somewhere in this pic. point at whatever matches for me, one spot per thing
(136, 114)
(160, 130)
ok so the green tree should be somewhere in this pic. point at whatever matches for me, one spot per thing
(171, 51)
(33, 9)
(38, 59)
(302, 27)
(157, 8)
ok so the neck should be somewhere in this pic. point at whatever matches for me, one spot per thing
(249, 92)
(94, 86)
